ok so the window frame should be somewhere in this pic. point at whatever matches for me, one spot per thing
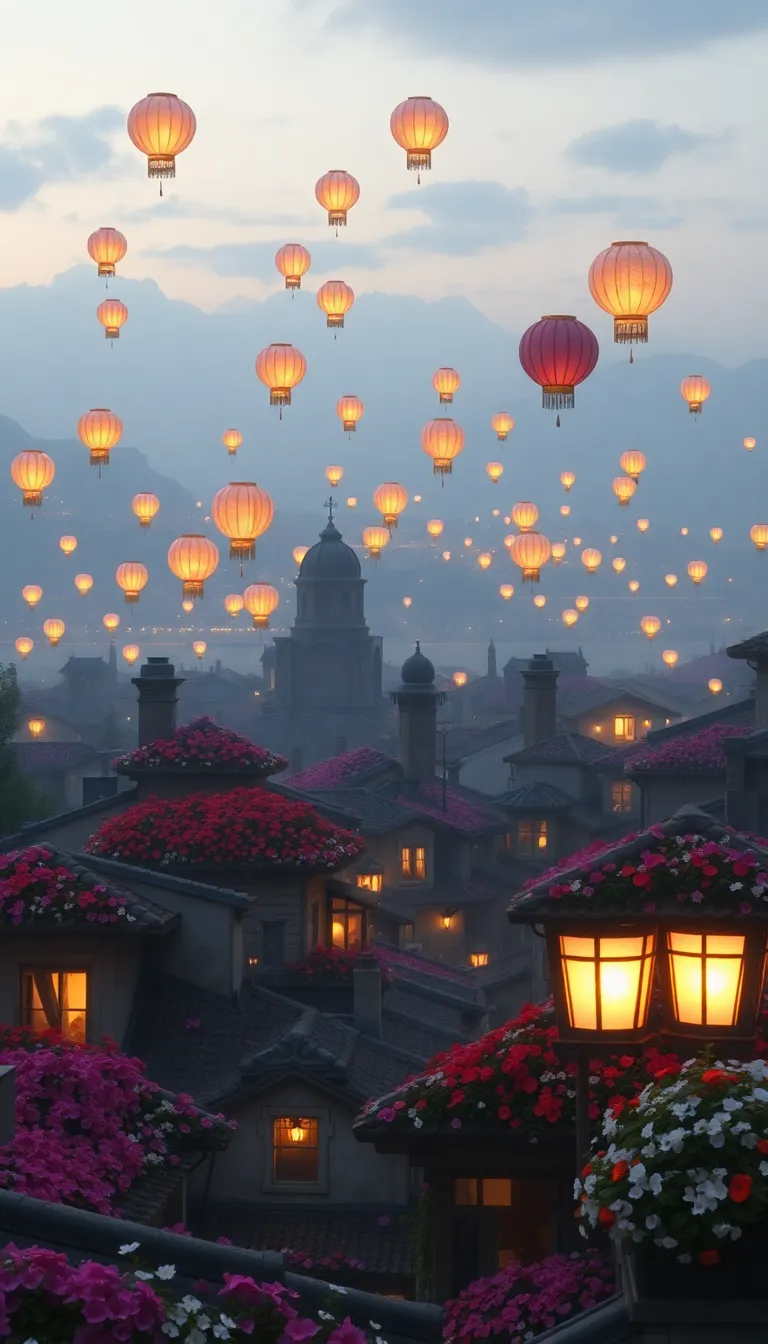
(413, 868)
(283, 1147)
(55, 968)
(325, 1132)
(625, 735)
(350, 907)
(624, 788)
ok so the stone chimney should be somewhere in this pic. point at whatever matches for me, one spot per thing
(540, 699)
(157, 685)
(366, 992)
(417, 698)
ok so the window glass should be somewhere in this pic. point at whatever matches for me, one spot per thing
(497, 1191)
(624, 727)
(56, 1000)
(465, 1190)
(295, 1149)
(421, 863)
(405, 862)
(621, 796)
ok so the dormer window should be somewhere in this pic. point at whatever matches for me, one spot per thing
(532, 836)
(413, 863)
(55, 1000)
(295, 1150)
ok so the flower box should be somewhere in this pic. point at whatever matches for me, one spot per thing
(214, 759)
(650, 1273)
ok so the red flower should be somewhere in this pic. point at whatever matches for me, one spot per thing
(762, 1145)
(717, 1076)
(619, 1171)
(709, 1257)
(740, 1187)
(606, 1217)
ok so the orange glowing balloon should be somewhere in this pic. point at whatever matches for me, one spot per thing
(446, 555)
(199, 647)
(630, 280)
(613, 539)
(650, 626)
(759, 535)
(567, 480)
(633, 585)
(503, 424)
(83, 584)
(467, 541)
(715, 685)
(624, 488)
(539, 601)
(233, 604)
(390, 499)
(107, 247)
(54, 630)
(460, 679)
(558, 552)
(334, 474)
(99, 430)
(161, 126)
(485, 559)
(131, 577)
(67, 544)
(337, 191)
(524, 515)
(280, 367)
(131, 653)
(349, 411)
(112, 315)
(435, 527)
(670, 580)
(670, 657)
(193, 558)
(565, 510)
(446, 382)
(507, 591)
(442, 440)
(335, 298)
(695, 389)
(530, 552)
(32, 471)
(407, 602)
(188, 604)
(261, 601)
(633, 463)
(419, 125)
(716, 533)
(292, 261)
(697, 570)
(749, 443)
(569, 616)
(32, 594)
(581, 603)
(110, 621)
(495, 470)
(299, 552)
(683, 531)
(232, 438)
(352, 502)
(591, 559)
(619, 564)
(643, 524)
(145, 508)
(374, 540)
(242, 511)
(24, 646)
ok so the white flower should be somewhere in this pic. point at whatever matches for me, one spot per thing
(764, 1168)
(190, 1303)
(166, 1271)
(732, 1104)
(326, 1315)
(171, 1330)
(684, 1259)
(417, 1124)
(221, 1331)
(721, 1229)
(652, 1221)
(481, 1105)
(736, 886)
(144, 1274)
(128, 1248)
(647, 1131)
(654, 1184)
(203, 1322)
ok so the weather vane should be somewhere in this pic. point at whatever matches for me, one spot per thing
(329, 505)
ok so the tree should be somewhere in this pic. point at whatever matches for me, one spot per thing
(19, 801)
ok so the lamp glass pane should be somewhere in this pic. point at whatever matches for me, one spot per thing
(607, 981)
(707, 971)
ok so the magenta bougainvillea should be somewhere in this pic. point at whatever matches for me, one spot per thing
(522, 1301)
(700, 754)
(242, 827)
(334, 963)
(202, 746)
(344, 769)
(88, 1122)
(36, 888)
(458, 812)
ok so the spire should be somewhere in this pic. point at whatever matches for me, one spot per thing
(491, 672)
(329, 505)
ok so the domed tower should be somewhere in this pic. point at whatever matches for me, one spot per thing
(330, 660)
(417, 699)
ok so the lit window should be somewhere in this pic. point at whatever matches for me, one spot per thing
(55, 1000)
(621, 796)
(370, 881)
(347, 925)
(295, 1150)
(541, 835)
(478, 959)
(421, 864)
(624, 727)
(405, 862)
(532, 837)
(413, 863)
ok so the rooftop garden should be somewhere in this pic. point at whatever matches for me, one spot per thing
(201, 746)
(240, 828)
(343, 770)
(521, 1302)
(701, 753)
(36, 889)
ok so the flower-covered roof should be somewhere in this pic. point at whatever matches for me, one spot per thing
(43, 888)
(200, 746)
(701, 753)
(242, 828)
(349, 767)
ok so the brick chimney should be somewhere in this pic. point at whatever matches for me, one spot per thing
(366, 993)
(157, 685)
(417, 699)
(539, 699)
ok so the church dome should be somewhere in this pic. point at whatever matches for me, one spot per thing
(330, 557)
(417, 670)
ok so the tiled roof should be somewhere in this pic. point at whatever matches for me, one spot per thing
(535, 797)
(37, 758)
(699, 753)
(581, 695)
(148, 877)
(347, 768)
(448, 891)
(463, 742)
(381, 1238)
(36, 831)
(376, 813)
(392, 806)
(619, 758)
(726, 712)
(561, 749)
(755, 646)
(146, 916)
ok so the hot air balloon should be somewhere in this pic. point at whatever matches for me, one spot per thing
(524, 515)
(261, 600)
(374, 540)
(569, 616)
(507, 591)
(280, 367)
(407, 602)
(112, 314)
(419, 125)
(292, 261)
(36, 727)
(697, 570)
(633, 463)
(337, 191)
(759, 535)
(100, 431)
(485, 559)
(503, 424)
(390, 499)
(716, 533)
(199, 647)
(695, 389)
(32, 471)
(299, 552)
(633, 585)
(446, 555)
(467, 541)
(232, 438)
(32, 594)
(540, 600)
(510, 539)
(619, 564)
(460, 679)
(233, 604)
(67, 544)
(435, 527)
(335, 298)
(349, 411)
(715, 685)
(643, 524)
(565, 510)
(53, 629)
(624, 488)
(417, 499)
(161, 126)
(650, 626)
(683, 531)
(591, 559)
(442, 440)
(131, 653)
(334, 474)
(630, 280)
(24, 646)
(670, 657)
(188, 604)
(670, 580)
(242, 511)
(558, 552)
(613, 539)
(131, 577)
(577, 541)
(110, 621)
(581, 603)
(106, 247)
(749, 443)
(446, 382)
(557, 353)
(530, 552)
(83, 584)
(352, 502)
(145, 508)
(193, 558)
(567, 480)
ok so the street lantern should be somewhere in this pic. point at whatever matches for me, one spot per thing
(713, 979)
(601, 980)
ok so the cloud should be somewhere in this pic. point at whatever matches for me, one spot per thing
(257, 259)
(751, 224)
(640, 146)
(635, 211)
(549, 32)
(56, 149)
(179, 208)
(464, 217)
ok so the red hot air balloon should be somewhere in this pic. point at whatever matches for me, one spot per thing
(557, 353)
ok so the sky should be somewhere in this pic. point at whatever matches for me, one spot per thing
(571, 125)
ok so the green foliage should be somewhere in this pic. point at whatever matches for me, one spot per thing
(19, 801)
